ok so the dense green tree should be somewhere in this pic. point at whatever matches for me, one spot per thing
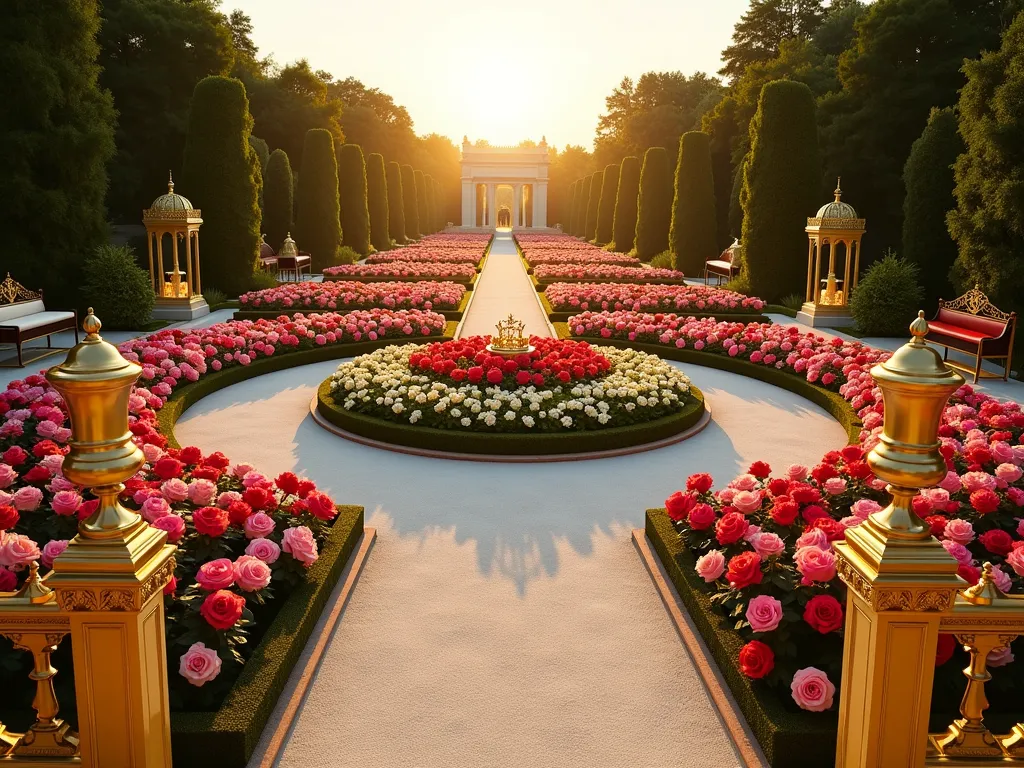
(654, 204)
(762, 29)
(573, 199)
(410, 201)
(422, 217)
(396, 203)
(839, 27)
(355, 215)
(928, 176)
(56, 136)
(317, 221)
(721, 125)
(736, 201)
(118, 289)
(221, 176)
(261, 149)
(693, 235)
(593, 206)
(624, 224)
(278, 199)
(377, 201)
(780, 190)
(581, 218)
(988, 222)
(565, 167)
(606, 205)
(428, 184)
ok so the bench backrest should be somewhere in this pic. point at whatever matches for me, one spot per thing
(20, 309)
(975, 312)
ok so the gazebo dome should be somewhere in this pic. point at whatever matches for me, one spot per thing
(171, 201)
(837, 209)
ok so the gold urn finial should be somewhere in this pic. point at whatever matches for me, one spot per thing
(985, 592)
(170, 183)
(838, 192)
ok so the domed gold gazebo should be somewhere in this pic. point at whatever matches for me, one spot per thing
(179, 294)
(835, 235)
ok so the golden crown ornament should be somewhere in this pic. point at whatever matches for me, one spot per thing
(510, 339)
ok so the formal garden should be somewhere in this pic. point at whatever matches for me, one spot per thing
(363, 443)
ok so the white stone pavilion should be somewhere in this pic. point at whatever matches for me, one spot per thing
(504, 186)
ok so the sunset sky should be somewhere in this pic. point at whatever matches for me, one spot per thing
(499, 71)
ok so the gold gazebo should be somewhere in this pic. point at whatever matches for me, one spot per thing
(835, 235)
(179, 294)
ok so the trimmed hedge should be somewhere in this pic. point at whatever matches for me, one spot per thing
(410, 204)
(278, 199)
(396, 203)
(355, 216)
(318, 224)
(693, 235)
(423, 214)
(593, 205)
(574, 198)
(271, 314)
(654, 204)
(587, 183)
(624, 221)
(540, 444)
(606, 205)
(377, 202)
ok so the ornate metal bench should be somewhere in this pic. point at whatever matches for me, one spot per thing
(725, 266)
(971, 324)
(24, 317)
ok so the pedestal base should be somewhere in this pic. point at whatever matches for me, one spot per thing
(818, 316)
(180, 309)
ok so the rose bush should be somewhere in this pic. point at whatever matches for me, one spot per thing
(638, 297)
(427, 270)
(343, 295)
(610, 272)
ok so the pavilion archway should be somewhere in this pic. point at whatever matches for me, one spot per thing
(496, 178)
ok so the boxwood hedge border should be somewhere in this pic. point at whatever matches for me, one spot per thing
(558, 316)
(273, 314)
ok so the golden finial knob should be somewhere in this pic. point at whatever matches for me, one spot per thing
(838, 192)
(919, 328)
(985, 591)
(170, 183)
(91, 325)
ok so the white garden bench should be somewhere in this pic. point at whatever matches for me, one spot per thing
(24, 317)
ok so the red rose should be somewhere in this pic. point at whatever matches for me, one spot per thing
(997, 541)
(944, 651)
(38, 474)
(321, 506)
(937, 523)
(46, 448)
(858, 469)
(259, 498)
(217, 460)
(171, 586)
(969, 573)
(288, 482)
(760, 470)
(211, 521)
(206, 473)
(921, 506)
(832, 528)
(756, 659)
(679, 504)
(813, 512)
(222, 609)
(15, 455)
(731, 528)
(824, 613)
(701, 483)
(8, 517)
(852, 453)
(190, 455)
(701, 517)
(494, 376)
(778, 486)
(824, 472)
(744, 569)
(802, 493)
(238, 512)
(984, 501)
(167, 468)
(785, 512)
(88, 507)
(306, 487)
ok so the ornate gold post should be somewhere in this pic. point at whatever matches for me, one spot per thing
(900, 579)
(110, 578)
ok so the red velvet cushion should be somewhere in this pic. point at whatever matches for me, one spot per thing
(983, 326)
(964, 334)
(266, 251)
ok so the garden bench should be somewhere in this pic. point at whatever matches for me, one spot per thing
(724, 266)
(24, 317)
(971, 324)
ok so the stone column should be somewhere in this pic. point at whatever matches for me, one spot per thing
(517, 196)
(492, 215)
(468, 203)
(540, 204)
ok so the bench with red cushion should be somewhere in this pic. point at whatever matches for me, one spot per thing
(972, 325)
(722, 266)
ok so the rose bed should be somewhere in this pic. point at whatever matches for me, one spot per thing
(563, 398)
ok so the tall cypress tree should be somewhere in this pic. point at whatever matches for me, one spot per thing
(355, 216)
(278, 198)
(594, 205)
(56, 136)
(606, 205)
(377, 201)
(735, 203)
(721, 126)
(573, 197)
(221, 176)
(422, 216)
(396, 203)
(581, 224)
(428, 185)
(318, 223)
(441, 219)
(624, 226)
(781, 182)
(410, 202)
(693, 236)
(654, 204)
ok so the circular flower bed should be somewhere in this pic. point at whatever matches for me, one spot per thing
(564, 397)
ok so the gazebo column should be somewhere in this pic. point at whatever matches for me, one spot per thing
(492, 217)
(468, 203)
(188, 263)
(810, 268)
(159, 274)
(517, 196)
(152, 271)
(540, 204)
(195, 252)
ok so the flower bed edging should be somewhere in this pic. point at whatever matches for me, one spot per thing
(233, 731)
(556, 316)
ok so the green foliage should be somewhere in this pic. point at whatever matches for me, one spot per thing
(355, 215)
(887, 298)
(693, 236)
(56, 136)
(117, 288)
(593, 206)
(794, 301)
(735, 201)
(928, 177)
(654, 204)
(581, 217)
(410, 200)
(377, 201)
(567, 166)
(988, 222)
(262, 150)
(606, 205)
(838, 30)
(318, 224)
(348, 255)
(624, 225)
(214, 296)
(396, 203)
(722, 127)
(278, 199)
(221, 177)
(663, 260)
(261, 280)
(780, 189)
(574, 193)
(764, 27)
(431, 191)
(422, 214)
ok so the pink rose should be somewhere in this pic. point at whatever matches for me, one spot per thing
(764, 613)
(266, 550)
(711, 565)
(747, 501)
(958, 551)
(202, 492)
(768, 544)
(216, 574)
(812, 690)
(835, 486)
(199, 665)
(726, 495)
(7, 475)
(258, 526)
(1016, 560)
(951, 482)
(813, 537)
(796, 472)
(300, 544)
(155, 507)
(27, 499)
(225, 499)
(17, 551)
(978, 481)
(251, 573)
(174, 489)
(864, 507)
(999, 657)
(1002, 580)
(1008, 473)
(66, 502)
(745, 482)
(174, 526)
(938, 498)
(51, 550)
(241, 470)
(815, 564)
(960, 531)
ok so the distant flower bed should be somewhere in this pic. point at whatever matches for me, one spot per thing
(436, 256)
(539, 241)
(635, 297)
(583, 258)
(426, 270)
(554, 272)
(333, 295)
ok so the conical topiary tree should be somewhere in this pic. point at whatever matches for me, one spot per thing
(581, 210)
(606, 205)
(355, 216)
(573, 197)
(693, 235)
(654, 204)
(441, 220)
(377, 201)
(422, 217)
(221, 175)
(428, 184)
(624, 225)
(780, 190)
(278, 199)
(396, 203)
(318, 224)
(593, 205)
(735, 204)
(409, 199)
